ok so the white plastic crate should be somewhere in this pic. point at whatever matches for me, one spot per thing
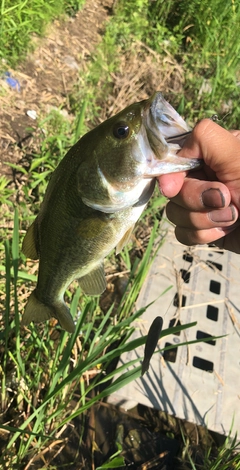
(201, 382)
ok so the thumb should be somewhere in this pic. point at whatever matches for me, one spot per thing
(220, 150)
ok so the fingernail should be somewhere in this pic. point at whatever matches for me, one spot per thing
(226, 215)
(213, 197)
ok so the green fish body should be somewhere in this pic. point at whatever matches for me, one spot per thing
(93, 200)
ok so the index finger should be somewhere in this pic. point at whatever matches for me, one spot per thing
(171, 184)
(219, 148)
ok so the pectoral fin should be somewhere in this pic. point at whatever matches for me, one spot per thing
(93, 283)
(125, 239)
(29, 246)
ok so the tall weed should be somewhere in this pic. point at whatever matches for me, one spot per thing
(201, 35)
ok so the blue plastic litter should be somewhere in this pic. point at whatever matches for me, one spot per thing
(11, 81)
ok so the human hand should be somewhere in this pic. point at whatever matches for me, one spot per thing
(205, 204)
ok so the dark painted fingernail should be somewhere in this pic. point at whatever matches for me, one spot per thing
(213, 197)
(226, 215)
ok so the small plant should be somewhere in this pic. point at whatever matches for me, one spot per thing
(19, 20)
(5, 191)
(78, 366)
(224, 457)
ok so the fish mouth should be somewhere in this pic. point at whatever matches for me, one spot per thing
(162, 117)
(166, 132)
(178, 139)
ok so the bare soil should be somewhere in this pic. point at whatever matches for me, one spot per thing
(58, 64)
(47, 76)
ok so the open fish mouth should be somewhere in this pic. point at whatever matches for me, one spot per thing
(163, 118)
(178, 139)
(166, 132)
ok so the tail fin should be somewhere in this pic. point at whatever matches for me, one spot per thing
(37, 311)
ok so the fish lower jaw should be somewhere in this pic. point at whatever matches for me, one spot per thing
(172, 164)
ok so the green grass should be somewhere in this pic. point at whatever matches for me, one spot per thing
(19, 20)
(201, 37)
(224, 457)
(41, 395)
(39, 403)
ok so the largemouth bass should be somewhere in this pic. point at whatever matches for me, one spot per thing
(95, 197)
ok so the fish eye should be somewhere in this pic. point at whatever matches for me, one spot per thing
(121, 130)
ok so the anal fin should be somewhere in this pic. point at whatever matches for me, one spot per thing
(29, 247)
(125, 239)
(94, 283)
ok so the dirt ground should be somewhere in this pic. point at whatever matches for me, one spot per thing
(47, 77)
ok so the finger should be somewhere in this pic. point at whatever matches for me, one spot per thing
(171, 184)
(230, 242)
(197, 195)
(236, 133)
(205, 142)
(217, 146)
(202, 237)
(201, 220)
(220, 150)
